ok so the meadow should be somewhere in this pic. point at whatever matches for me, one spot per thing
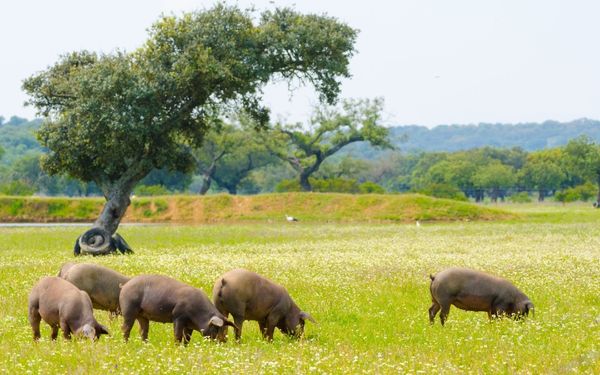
(365, 284)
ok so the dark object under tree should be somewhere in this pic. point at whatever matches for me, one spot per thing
(113, 118)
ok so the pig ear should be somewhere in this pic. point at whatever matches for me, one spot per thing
(306, 316)
(216, 321)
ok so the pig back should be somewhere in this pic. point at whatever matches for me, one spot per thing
(101, 283)
(258, 294)
(456, 282)
(159, 298)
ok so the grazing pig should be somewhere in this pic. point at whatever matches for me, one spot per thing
(249, 296)
(60, 303)
(475, 291)
(163, 299)
(102, 284)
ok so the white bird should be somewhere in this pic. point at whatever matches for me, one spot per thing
(290, 218)
(418, 224)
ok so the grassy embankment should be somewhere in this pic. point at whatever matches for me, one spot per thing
(267, 207)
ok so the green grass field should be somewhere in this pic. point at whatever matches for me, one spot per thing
(366, 284)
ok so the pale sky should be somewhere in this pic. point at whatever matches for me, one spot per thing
(434, 61)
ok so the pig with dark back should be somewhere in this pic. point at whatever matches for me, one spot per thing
(163, 299)
(102, 284)
(60, 304)
(249, 296)
(475, 291)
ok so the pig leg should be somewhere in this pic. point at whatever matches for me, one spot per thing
(238, 312)
(178, 327)
(239, 322)
(433, 310)
(127, 325)
(34, 320)
(187, 334)
(271, 324)
(54, 334)
(144, 327)
(445, 307)
(262, 324)
(66, 330)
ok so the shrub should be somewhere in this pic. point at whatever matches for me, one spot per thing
(583, 192)
(150, 190)
(326, 185)
(334, 185)
(369, 187)
(522, 197)
(287, 185)
(444, 191)
(17, 188)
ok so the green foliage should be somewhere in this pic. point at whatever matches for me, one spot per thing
(228, 156)
(17, 139)
(582, 160)
(331, 185)
(369, 187)
(583, 193)
(330, 129)
(494, 176)
(288, 185)
(543, 171)
(453, 138)
(112, 118)
(522, 197)
(442, 190)
(172, 181)
(17, 187)
(150, 190)
(335, 185)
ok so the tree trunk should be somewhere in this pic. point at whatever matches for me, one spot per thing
(207, 176)
(479, 195)
(304, 183)
(206, 181)
(541, 195)
(117, 201)
(494, 195)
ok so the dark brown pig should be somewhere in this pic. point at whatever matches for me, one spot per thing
(249, 296)
(62, 305)
(475, 291)
(102, 284)
(166, 300)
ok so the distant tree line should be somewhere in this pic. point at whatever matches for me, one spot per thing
(239, 159)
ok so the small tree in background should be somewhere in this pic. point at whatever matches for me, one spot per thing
(330, 129)
(582, 161)
(228, 155)
(495, 178)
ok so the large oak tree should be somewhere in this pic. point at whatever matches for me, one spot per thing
(112, 118)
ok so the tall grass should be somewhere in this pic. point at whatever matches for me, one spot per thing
(366, 285)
